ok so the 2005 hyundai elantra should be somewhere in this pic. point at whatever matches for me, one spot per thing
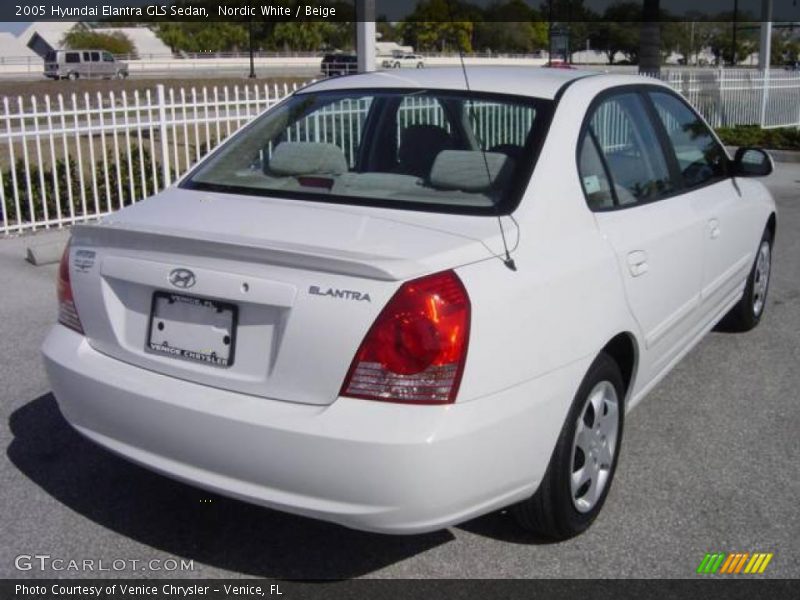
(399, 301)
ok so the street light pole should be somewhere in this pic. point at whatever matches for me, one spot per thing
(250, 40)
(735, 18)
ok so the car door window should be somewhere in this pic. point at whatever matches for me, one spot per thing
(95, 57)
(701, 158)
(107, 57)
(629, 145)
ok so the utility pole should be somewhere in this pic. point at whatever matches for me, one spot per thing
(765, 47)
(365, 35)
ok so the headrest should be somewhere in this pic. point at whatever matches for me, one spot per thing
(307, 158)
(465, 170)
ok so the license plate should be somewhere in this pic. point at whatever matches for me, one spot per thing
(194, 329)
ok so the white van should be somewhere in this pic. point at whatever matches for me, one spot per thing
(80, 64)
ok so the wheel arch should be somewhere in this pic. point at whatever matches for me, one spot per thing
(772, 224)
(625, 352)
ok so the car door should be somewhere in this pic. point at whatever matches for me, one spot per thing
(654, 230)
(727, 217)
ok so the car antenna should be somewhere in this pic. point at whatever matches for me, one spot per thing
(507, 261)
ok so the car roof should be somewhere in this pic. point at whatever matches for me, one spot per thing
(524, 81)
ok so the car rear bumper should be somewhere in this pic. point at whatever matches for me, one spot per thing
(368, 465)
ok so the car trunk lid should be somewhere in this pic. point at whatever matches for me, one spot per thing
(294, 285)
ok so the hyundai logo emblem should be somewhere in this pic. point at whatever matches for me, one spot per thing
(182, 278)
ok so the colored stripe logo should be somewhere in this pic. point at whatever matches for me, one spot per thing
(734, 563)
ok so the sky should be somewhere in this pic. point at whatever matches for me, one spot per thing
(14, 27)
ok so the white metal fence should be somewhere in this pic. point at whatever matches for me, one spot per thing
(69, 159)
(66, 159)
(728, 97)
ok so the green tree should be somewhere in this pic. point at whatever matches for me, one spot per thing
(615, 33)
(438, 25)
(302, 36)
(200, 36)
(721, 42)
(116, 43)
(687, 38)
(510, 27)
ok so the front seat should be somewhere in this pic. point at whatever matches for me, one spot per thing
(419, 147)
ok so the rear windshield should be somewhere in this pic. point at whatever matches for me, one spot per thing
(421, 150)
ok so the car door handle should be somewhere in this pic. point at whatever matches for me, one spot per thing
(637, 263)
(713, 229)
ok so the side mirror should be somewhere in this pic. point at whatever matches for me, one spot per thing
(752, 162)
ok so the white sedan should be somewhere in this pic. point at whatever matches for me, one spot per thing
(397, 303)
(406, 61)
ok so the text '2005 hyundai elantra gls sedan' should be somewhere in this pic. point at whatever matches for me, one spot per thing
(399, 301)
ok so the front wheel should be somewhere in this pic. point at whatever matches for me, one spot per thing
(582, 466)
(72, 76)
(747, 313)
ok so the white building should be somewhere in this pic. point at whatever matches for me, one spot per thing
(45, 36)
(12, 50)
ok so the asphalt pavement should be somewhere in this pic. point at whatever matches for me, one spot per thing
(709, 463)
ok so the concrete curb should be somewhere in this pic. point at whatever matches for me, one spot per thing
(45, 254)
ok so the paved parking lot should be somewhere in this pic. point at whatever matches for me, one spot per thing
(709, 463)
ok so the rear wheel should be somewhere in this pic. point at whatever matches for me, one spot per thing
(579, 475)
(748, 312)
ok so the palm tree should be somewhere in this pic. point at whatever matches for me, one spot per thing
(650, 39)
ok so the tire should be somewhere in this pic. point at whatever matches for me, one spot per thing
(747, 313)
(73, 76)
(559, 510)
(420, 65)
(397, 65)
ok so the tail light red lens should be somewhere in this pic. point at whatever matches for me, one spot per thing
(67, 313)
(416, 349)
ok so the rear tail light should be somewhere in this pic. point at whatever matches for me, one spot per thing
(415, 351)
(67, 313)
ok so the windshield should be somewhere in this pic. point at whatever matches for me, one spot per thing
(421, 149)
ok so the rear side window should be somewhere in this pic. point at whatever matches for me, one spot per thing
(630, 149)
(700, 157)
(594, 177)
(72, 57)
(95, 57)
